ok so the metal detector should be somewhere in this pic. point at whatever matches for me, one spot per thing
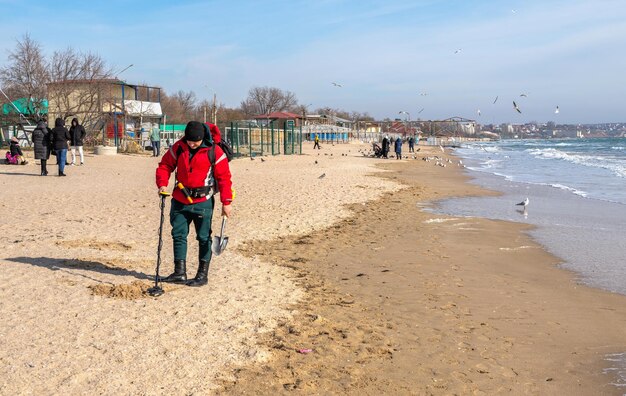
(156, 290)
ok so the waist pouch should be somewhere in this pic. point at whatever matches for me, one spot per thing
(200, 192)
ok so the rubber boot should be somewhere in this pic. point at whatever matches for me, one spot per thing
(201, 276)
(179, 275)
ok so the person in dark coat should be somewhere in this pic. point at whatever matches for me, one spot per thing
(411, 145)
(41, 140)
(398, 148)
(77, 132)
(386, 144)
(60, 137)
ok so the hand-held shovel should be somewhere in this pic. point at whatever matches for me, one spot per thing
(220, 242)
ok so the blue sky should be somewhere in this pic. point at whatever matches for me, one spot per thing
(383, 53)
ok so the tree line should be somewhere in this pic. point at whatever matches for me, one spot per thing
(29, 73)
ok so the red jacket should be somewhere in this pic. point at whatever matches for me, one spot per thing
(194, 174)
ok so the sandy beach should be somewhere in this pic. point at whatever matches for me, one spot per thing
(340, 284)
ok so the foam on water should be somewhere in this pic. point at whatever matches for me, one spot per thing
(618, 167)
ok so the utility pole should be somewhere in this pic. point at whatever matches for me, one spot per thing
(214, 113)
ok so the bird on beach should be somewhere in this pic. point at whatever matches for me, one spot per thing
(322, 176)
(315, 162)
(262, 160)
(516, 107)
(336, 84)
(441, 148)
(524, 203)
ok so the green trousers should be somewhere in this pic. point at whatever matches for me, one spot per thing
(181, 216)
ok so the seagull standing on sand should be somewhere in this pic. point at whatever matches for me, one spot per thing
(524, 203)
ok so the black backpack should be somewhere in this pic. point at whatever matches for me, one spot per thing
(230, 154)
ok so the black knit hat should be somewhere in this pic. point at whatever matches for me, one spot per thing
(194, 131)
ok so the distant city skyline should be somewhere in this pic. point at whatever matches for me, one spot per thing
(449, 58)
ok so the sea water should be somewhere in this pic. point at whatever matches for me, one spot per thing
(577, 194)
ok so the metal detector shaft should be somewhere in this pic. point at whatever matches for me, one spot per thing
(156, 290)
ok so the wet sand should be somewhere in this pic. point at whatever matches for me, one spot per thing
(400, 301)
(332, 285)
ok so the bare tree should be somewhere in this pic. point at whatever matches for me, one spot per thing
(80, 86)
(26, 74)
(265, 100)
(179, 107)
(187, 102)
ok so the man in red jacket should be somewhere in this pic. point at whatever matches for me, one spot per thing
(191, 158)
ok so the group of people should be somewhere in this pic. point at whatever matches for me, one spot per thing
(386, 143)
(57, 141)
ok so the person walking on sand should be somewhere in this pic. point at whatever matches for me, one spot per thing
(411, 145)
(77, 133)
(317, 142)
(60, 137)
(398, 148)
(41, 141)
(201, 169)
(155, 140)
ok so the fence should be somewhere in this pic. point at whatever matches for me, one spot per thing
(249, 139)
(328, 133)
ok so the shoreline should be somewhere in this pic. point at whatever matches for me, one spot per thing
(387, 297)
(517, 349)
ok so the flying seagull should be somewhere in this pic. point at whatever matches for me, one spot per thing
(478, 112)
(420, 111)
(556, 111)
(458, 51)
(423, 93)
(524, 203)
(516, 108)
(495, 100)
(523, 95)
(336, 84)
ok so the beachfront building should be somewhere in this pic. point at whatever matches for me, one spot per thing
(280, 119)
(112, 106)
